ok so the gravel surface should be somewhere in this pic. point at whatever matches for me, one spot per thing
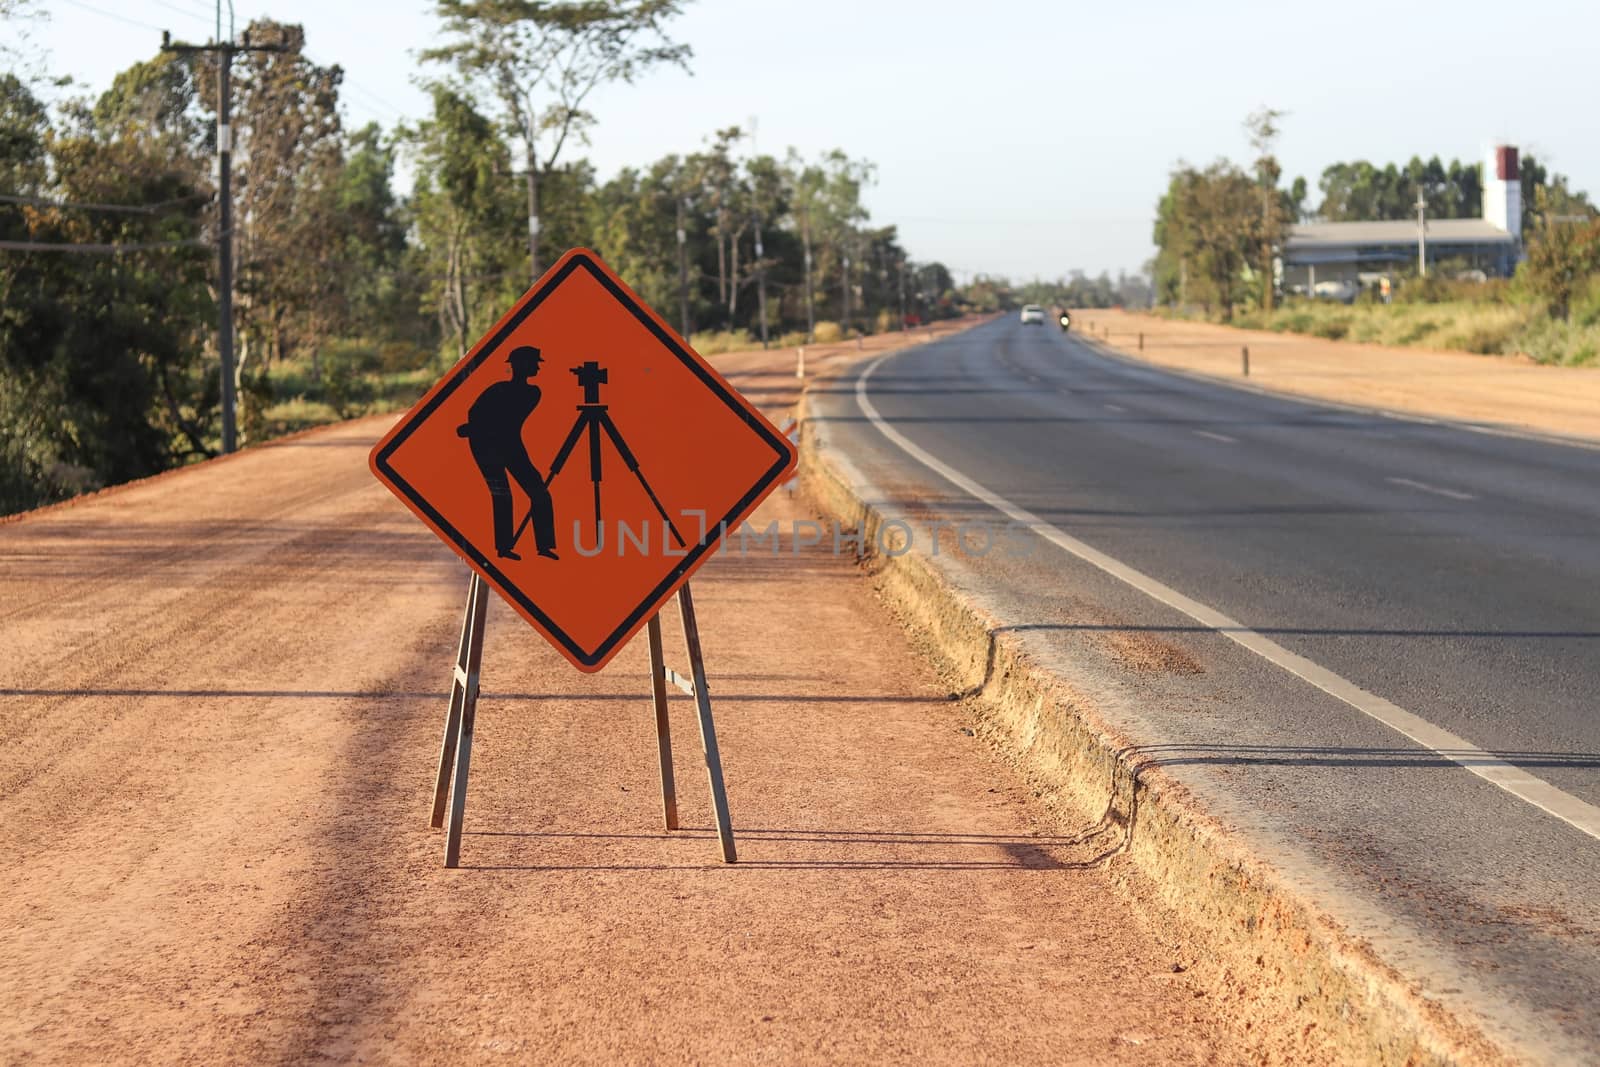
(220, 710)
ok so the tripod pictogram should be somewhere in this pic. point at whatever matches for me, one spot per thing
(594, 419)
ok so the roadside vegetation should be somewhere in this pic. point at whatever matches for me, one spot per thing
(1496, 318)
(1218, 228)
(351, 294)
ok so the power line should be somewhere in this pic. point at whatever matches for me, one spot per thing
(114, 249)
(113, 15)
(371, 98)
(127, 209)
(186, 12)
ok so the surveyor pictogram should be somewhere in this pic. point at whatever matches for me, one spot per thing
(494, 431)
(594, 419)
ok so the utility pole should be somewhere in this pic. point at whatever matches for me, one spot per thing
(1422, 235)
(225, 51)
(683, 275)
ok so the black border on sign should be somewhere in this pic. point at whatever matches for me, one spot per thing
(715, 529)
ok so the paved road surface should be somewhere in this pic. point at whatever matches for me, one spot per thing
(1437, 573)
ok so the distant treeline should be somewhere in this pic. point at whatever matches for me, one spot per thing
(1352, 192)
(108, 353)
(1219, 228)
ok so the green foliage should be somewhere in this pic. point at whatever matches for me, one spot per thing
(715, 342)
(1078, 290)
(99, 357)
(1332, 329)
(1563, 257)
(1209, 225)
(347, 370)
(1545, 194)
(463, 205)
(540, 61)
(1568, 343)
(1359, 191)
(1482, 327)
(1439, 288)
(348, 298)
(256, 395)
(1586, 304)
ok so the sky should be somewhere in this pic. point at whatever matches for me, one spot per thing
(1012, 137)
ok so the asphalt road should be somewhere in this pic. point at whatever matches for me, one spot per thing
(1449, 576)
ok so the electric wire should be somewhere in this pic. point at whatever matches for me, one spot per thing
(99, 249)
(113, 15)
(127, 209)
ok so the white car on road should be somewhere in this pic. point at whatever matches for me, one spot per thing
(1033, 313)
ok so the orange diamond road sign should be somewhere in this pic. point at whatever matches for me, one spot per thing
(583, 459)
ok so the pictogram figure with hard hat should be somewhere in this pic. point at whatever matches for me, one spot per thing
(494, 430)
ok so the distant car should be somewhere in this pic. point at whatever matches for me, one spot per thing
(1343, 290)
(1033, 313)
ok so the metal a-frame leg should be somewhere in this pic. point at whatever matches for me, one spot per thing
(708, 729)
(455, 752)
(658, 693)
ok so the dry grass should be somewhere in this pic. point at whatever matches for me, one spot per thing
(1481, 327)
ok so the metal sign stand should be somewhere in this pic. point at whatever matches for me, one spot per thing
(455, 753)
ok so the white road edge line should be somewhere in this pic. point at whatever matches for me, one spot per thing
(1224, 438)
(1118, 408)
(1453, 494)
(1541, 794)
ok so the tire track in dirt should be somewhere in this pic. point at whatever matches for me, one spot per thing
(158, 642)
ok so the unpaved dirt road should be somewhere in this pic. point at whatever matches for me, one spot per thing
(1489, 390)
(220, 705)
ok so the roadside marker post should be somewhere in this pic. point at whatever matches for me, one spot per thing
(1244, 359)
(791, 430)
(800, 362)
(618, 506)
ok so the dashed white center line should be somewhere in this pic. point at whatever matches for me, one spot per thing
(1224, 438)
(1424, 487)
(1498, 772)
(1118, 408)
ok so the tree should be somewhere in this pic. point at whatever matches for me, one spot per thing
(1207, 226)
(1563, 252)
(541, 60)
(1263, 128)
(633, 219)
(379, 298)
(462, 204)
(1359, 191)
(721, 188)
(289, 151)
(825, 205)
(1544, 193)
(101, 356)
